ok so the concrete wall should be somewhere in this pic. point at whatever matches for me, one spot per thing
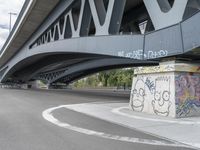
(154, 94)
(167, 90)
(37, 84)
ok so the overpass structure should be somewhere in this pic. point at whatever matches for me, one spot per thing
(64, 40)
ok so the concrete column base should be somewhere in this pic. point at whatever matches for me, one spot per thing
(24, 86)
(171, 89)
(36, 85)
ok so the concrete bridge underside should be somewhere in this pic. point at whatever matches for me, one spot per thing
(69, 39)
(66, 67)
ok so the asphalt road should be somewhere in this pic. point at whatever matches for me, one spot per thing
(22, 126)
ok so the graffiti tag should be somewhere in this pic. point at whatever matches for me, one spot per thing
(156, 54)
(138, 54)
(150, 84)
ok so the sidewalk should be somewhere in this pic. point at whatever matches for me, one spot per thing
(184, 130)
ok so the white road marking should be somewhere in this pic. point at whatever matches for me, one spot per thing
(48, 115)
(118, 111)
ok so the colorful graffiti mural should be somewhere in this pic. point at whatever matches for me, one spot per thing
(187, 94)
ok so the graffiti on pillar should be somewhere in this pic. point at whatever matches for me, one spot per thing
(161, 102)
(152, 93)
(187, 94)
(154, 69)
(150, 84)
(138, 96)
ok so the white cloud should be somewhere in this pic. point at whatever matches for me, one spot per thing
(3, 35)
(7, 6)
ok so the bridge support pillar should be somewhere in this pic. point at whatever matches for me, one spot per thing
(25, 86)
(171, 89)
(49, 86)
(32, 85)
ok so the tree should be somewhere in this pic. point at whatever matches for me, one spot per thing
(116, 77)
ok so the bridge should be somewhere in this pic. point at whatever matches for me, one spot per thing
(60, 41)
(69, 39)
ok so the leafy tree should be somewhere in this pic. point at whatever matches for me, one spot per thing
(116, 77)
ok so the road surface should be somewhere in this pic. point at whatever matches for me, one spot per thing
(23, 126)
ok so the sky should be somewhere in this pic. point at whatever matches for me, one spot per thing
(7, 6)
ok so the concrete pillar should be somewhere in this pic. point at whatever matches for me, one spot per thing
(171, 89)
(24, 86)
(49, 86)
(36, 84)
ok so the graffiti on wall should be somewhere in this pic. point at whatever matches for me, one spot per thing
(139, 54)
(155, 69)
(150, 84)
(188, 68)
(152, 93)
(156, 54)
(187, 94)
(161, 102)
(138, 96)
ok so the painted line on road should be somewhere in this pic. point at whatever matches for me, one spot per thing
(119, 112)
(48, 115)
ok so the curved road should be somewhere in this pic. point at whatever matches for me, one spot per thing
(22, 126)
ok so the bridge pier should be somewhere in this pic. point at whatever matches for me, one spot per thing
(24, 86)
(171, 89)
(33, 85)
(49, 86)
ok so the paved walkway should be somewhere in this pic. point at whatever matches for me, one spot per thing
(184, 130)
